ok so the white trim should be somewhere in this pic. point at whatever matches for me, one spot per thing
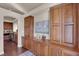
(19, 46)
(1, 52)
(18, 7)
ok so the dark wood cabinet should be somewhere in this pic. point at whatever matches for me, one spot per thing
(28, 31)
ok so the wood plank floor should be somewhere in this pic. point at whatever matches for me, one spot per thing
(10, 49)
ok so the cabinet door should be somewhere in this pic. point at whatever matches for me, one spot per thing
(55, 13)
(68, 13)
(68, 35)
(55, 20)
(32, 46)
(54, 50)
(68, 24)
(56, 34)
(38, 48)
(43, 49)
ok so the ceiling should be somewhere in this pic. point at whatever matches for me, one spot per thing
(20, 8)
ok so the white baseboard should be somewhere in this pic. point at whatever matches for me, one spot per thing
(1, 52)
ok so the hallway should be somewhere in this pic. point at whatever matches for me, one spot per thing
(10, 49)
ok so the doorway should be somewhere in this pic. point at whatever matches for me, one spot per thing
(10, 35)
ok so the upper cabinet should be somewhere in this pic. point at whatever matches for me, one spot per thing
(63, 24)
(68, 24)
(55, 14)
(68, 13)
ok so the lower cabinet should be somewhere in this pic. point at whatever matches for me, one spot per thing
(39, 48)
(54, 50)
(36, 48)
(33, 47)
(27, 44)
(43, 49)
(66, 52)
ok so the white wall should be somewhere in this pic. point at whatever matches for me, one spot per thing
(15, 26)
(1, 35)
(20, 30)
(19, 17)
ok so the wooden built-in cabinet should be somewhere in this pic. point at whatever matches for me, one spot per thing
(43, 49)
(54, 50)
(64, 30)
(64, 33)
(39, 48)
(67, 52)
(63, 24)
(68, 24)
(57, 50)
(55, 14)
(28, 31)
(77, 26)
(33, 46)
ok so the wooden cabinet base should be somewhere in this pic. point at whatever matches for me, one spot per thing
(66, 52)
(39, 48)
(54, 50)
(58, 50)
